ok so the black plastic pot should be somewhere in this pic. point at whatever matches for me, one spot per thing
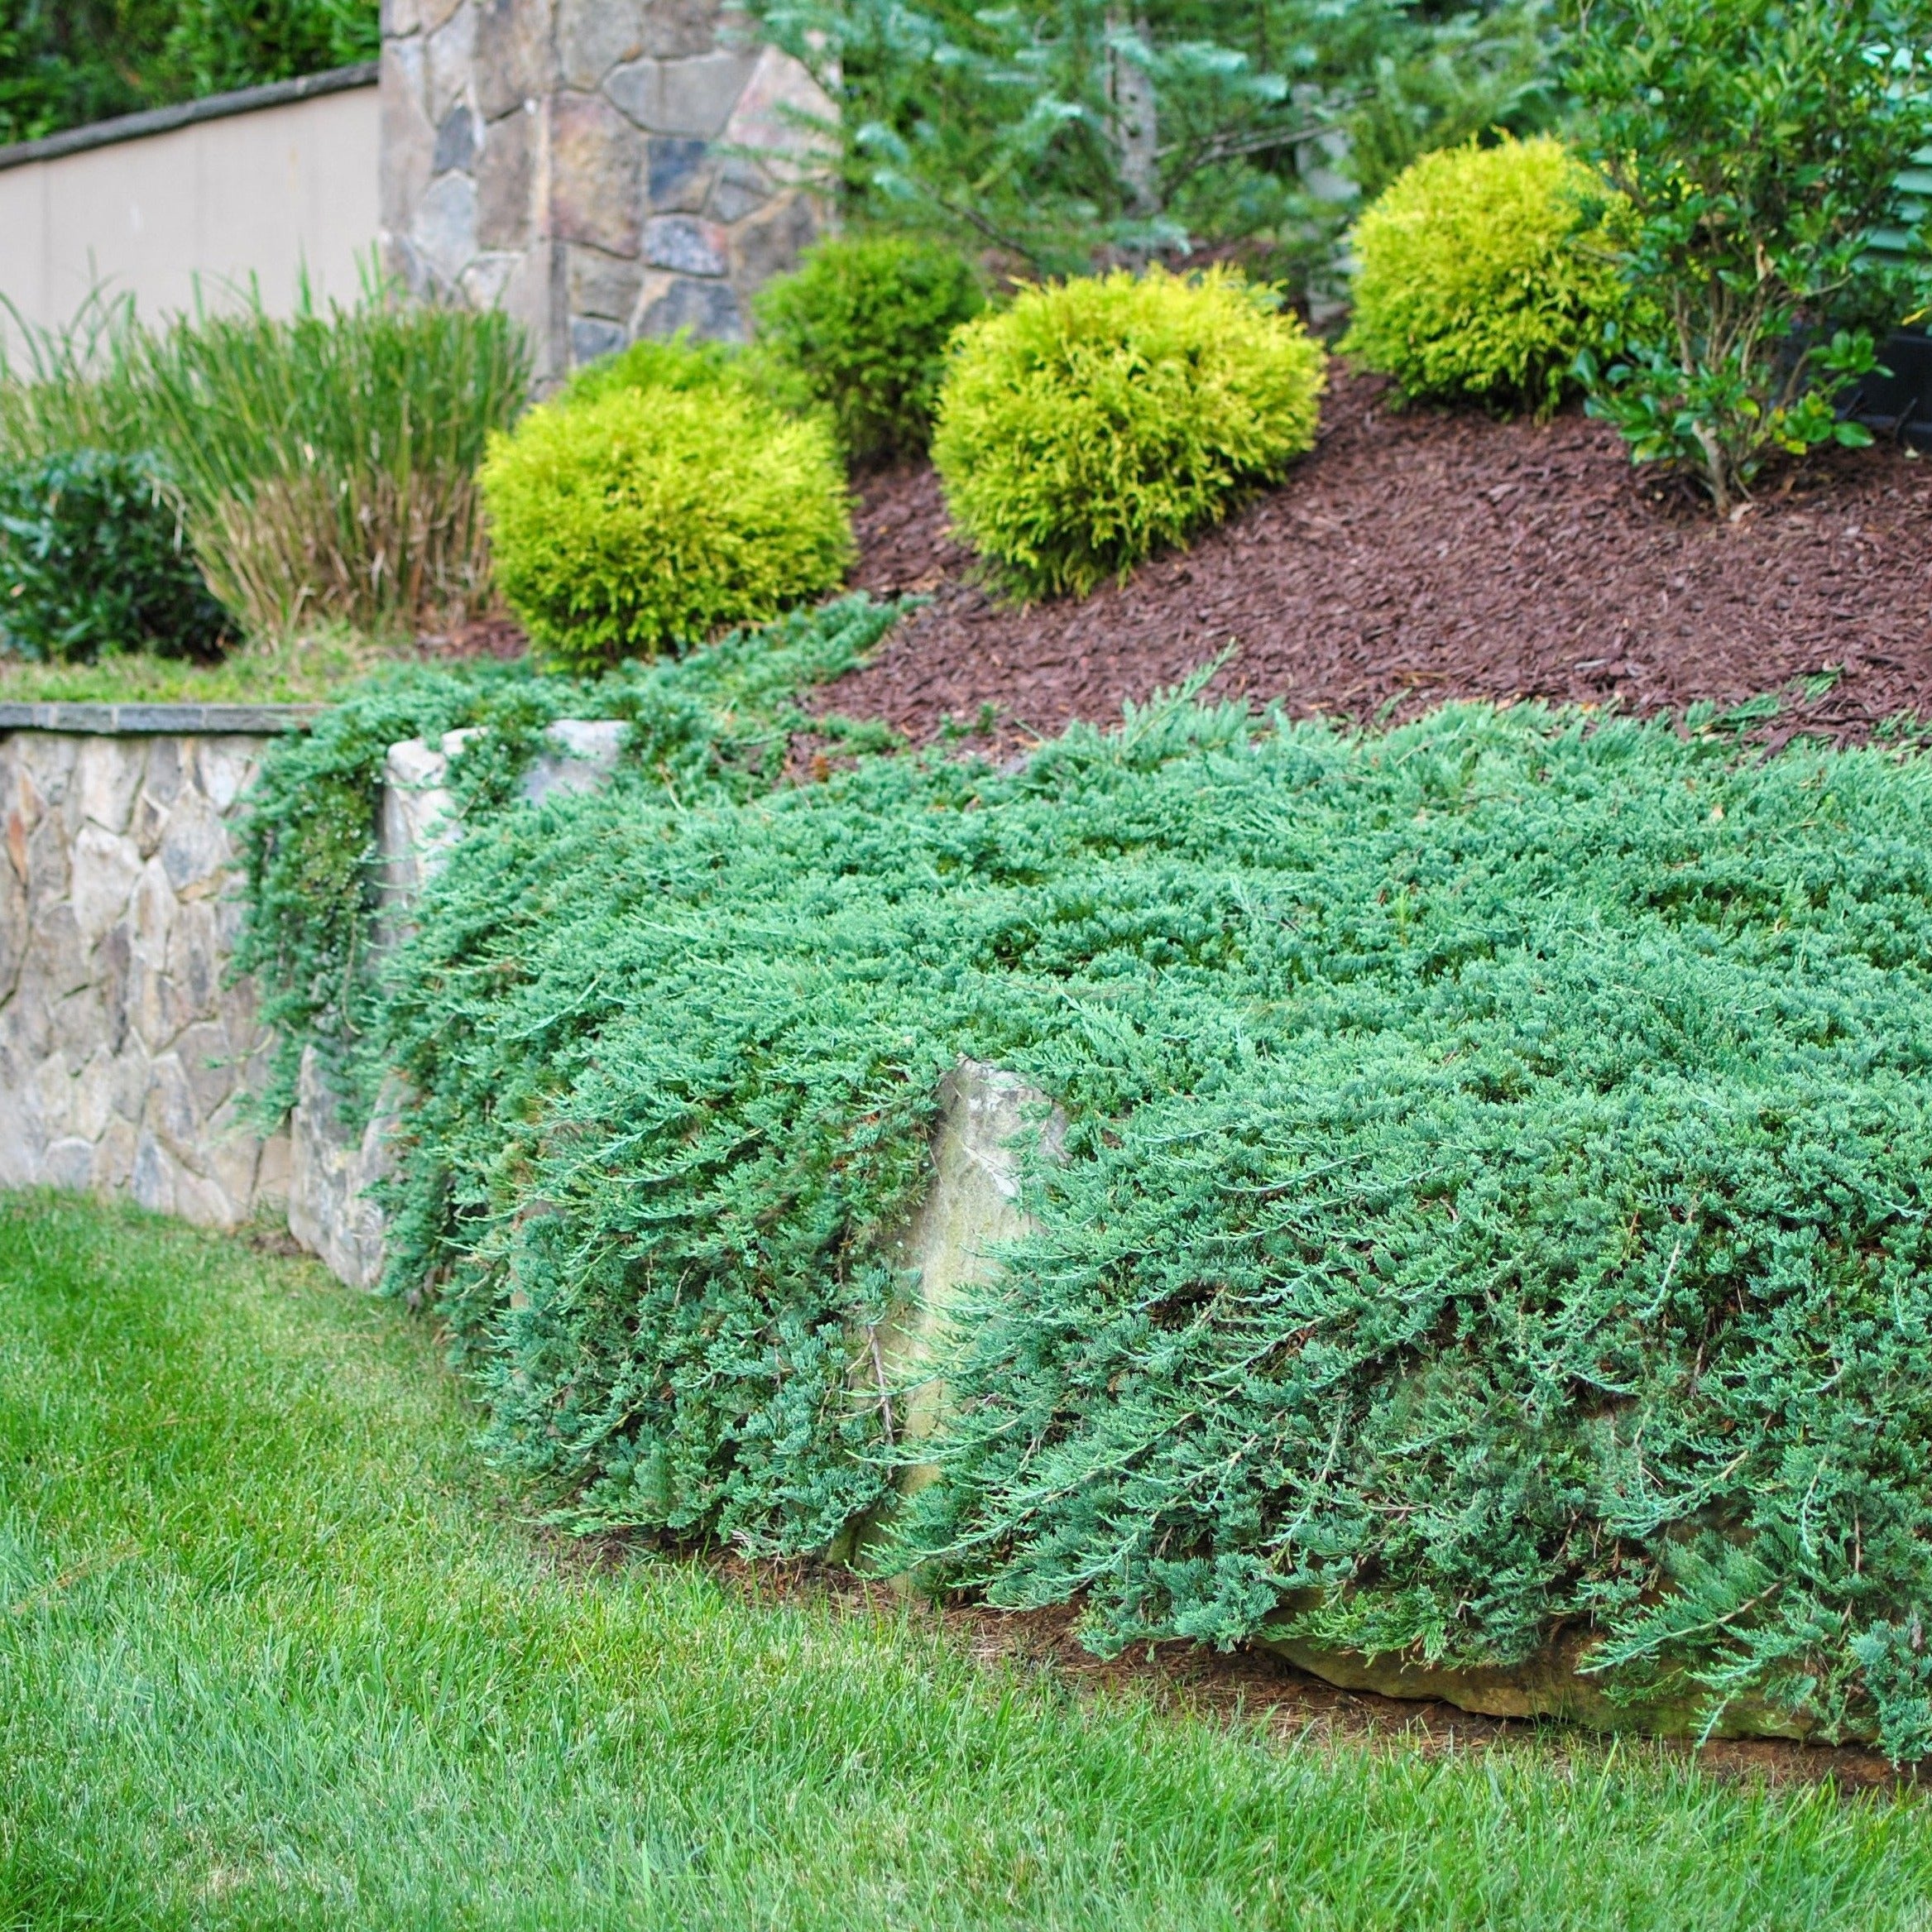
(1899, 405)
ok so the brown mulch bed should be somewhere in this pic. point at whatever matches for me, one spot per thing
(1424, 555)
(498, 636)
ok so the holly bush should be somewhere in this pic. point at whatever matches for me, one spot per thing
(94, 558)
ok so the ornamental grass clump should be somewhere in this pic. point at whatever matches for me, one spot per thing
(1484, 272)
(649, 519)
(327, 461)
(1096, 422)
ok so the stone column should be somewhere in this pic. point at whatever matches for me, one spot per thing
(602, 169)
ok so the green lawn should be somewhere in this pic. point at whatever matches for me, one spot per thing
(275, 1650)
(303, 670)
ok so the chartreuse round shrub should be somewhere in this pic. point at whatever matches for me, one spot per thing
(648, 519)
(648, 363)
(861, 329)
(1096, 421)
(1483, 272)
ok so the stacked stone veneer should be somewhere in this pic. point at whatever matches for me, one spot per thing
(123, 1051)
(603, 168)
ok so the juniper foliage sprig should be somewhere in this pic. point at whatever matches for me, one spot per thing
(711, 726)
(1494, 1197)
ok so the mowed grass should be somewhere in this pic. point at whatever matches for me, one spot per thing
(275, 1651)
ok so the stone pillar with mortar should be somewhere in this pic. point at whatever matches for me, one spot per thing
(603, 170)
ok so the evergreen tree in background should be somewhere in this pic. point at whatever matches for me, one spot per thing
(1056, 131)
(65, 63)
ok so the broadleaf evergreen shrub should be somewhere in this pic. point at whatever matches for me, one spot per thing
(863, 325)
(65, 63)
(1494, 1199)
(1097, 421)
(1484, 271)
(642, 521)
(1757, 145)
(94, 559)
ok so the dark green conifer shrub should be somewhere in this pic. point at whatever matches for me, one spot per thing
(94, 558)
(863, 325)
(648, 519)
(1482, 271)
(1096, 421)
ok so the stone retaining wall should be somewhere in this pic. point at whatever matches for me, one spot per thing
(124, 1054)
(123, 1051)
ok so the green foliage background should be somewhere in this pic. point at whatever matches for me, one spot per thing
(1493, 1204)
(1008, 128)
(65, 63)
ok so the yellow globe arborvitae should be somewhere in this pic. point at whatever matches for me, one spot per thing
(1095, 422)
(1482, 271)
(650, 518)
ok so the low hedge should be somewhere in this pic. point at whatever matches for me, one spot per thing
(1494, 1201)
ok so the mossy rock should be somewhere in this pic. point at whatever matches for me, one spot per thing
(1554, 1683)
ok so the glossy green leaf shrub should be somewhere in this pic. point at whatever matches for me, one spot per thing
(1482, 271)
(94, 559)
(1097, 421)
(1757, 144)
(863, 325)
(646, 521)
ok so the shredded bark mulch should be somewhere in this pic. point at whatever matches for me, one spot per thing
(498, 636)
(1419, 555)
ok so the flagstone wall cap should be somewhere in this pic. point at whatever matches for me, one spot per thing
(149, 721)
